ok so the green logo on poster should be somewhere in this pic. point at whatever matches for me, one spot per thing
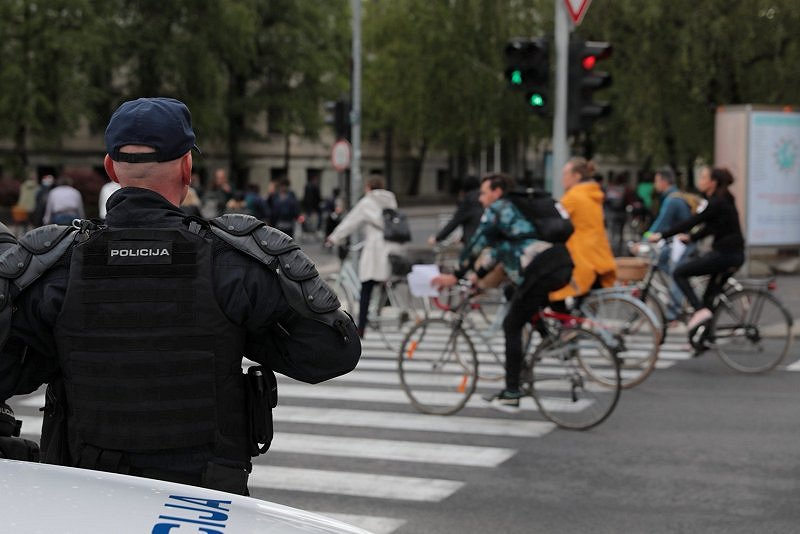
(786, 154)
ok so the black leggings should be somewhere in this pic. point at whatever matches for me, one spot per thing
(719, 265)
(531, 296)
(363, 305)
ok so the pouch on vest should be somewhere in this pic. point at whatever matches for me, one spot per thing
(55, 448)
(262, 397)
(12, 446)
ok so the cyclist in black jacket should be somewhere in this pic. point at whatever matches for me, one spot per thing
(719, 219)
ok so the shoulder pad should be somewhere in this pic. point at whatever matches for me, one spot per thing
(47, 243)
(237, 224)
(6, 235)
(45, 238)
(273, 241)
(303, 289)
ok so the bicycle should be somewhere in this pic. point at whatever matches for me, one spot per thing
(438, 366)
(389, 295)
(750, 329)
(653, 288)
(628, 326)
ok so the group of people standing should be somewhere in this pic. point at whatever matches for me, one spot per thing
(46, 201)
(279, 207)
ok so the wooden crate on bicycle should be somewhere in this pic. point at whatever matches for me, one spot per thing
(631, 269)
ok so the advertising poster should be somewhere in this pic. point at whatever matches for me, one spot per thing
(773, 179)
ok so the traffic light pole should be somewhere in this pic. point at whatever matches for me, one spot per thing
(560, 146)
(355, 113)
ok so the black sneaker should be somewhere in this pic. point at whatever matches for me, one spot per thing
(505, 400)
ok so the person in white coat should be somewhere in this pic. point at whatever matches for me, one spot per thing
(367, 215)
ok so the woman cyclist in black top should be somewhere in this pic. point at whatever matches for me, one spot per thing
(720, 219)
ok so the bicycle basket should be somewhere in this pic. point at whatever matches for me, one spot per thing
(631, 269)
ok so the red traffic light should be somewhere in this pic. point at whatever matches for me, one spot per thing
(589, 62)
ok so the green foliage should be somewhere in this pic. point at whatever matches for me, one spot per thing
(676, 61)
(229, 61)
(433, 70)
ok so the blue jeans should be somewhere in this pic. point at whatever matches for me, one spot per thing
(666, 266)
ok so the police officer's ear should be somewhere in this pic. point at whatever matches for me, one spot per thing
(186, 169)
(108, 163)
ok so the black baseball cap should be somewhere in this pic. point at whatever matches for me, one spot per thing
(163, 124)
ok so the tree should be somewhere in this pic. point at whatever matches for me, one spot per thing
(433, 73)
(44, 82)
(675, 61)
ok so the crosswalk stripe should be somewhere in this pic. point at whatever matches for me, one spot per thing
(396, 396)
(667, 351)
(392, 450)
(455, 424)
(371, 364)
(34, 401)
(353, 484)
(32, 424)
(372, 524)
(390, 378)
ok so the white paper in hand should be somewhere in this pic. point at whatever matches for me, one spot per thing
(419, 280)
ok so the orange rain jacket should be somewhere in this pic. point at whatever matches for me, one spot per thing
(588, 245)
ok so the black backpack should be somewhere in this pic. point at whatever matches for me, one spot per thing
(395, 226)
(550, 220)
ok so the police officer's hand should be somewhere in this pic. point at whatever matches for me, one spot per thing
(432, 240)
(655, 237)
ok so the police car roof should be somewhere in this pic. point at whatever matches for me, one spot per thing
(50, 498)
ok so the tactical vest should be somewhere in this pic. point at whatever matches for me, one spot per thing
(149, 360)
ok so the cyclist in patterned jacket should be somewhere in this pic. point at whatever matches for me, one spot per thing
(534, 267)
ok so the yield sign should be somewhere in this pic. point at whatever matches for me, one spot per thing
(577, 9)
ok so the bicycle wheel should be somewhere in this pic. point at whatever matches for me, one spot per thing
(629, 326)
(438, 367)
(657, 307)
(751, 331)
(565, 392)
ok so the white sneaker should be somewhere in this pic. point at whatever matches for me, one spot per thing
(700, 316)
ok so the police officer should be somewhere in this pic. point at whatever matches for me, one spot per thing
(140, 326)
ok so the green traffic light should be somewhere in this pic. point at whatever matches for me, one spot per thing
(537, 100)
(516, 77)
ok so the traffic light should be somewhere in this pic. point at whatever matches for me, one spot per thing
(528, 70)
(583, 80)
(337, 115)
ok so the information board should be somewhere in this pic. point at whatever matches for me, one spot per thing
(773, 179)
